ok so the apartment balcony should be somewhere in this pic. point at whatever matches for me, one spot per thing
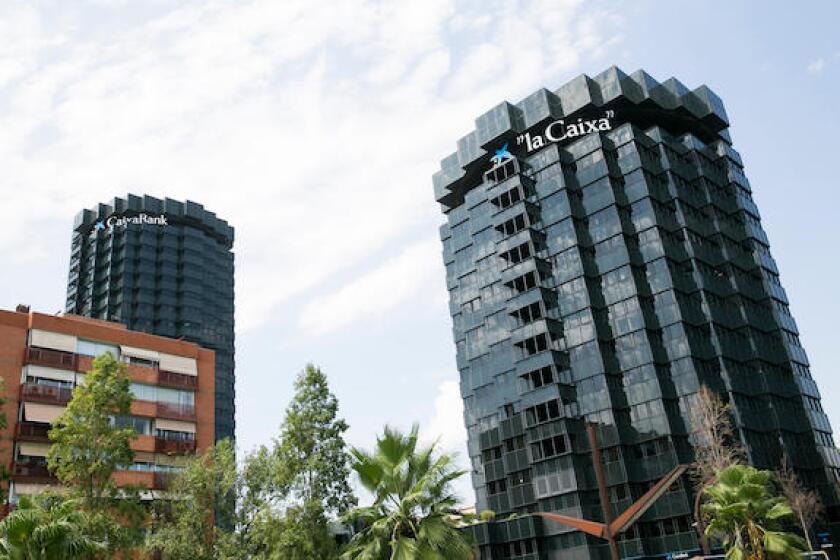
(162, 480)
(176, 411)
(147, 479)
(51, 358)
(32, 472)
(174, 446)
(33, 431)
(46, 394)
(177, 380)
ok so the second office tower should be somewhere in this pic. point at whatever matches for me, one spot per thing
(604, 259)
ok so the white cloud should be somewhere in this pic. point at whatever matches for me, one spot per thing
(447, 428)
(816, 66)
(376, 292)
(314, 132)
(447, 424)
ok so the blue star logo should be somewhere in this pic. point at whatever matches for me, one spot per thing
(98, 226)
(502, 155)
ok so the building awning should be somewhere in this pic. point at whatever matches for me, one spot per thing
(51, 340)
(44, 372)
(33, 449)
(178, 364)
(144, 457)
(171, 460)
(141, 353)
(34, 412)
(174, 425)
(29, 489)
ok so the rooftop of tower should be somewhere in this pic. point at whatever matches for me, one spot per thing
(188, 212)
(670, 104)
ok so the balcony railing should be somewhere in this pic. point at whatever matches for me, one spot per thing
(162, 480)
(31, 471)
(33, 431)
(178, 380)
(45, 394)
(51, 358)
(174, 446)
(176, 411)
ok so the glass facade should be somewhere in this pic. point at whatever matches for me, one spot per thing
(602, 265)
(164, 267)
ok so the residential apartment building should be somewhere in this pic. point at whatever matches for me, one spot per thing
(43, 357)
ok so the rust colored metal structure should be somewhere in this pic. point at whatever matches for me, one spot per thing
(612, 527)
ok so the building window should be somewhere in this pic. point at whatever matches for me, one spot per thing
(550, 447)
(175, 436)
(143, 426)
(529, 313)
(95, 349)
(523, 283)
(539, 377)
(153, 393)
(509, 198)
(543, 412)
(142, 362)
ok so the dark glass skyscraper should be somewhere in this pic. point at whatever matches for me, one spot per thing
(604, 259)
(163, 267)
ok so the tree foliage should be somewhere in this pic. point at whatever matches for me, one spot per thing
(275, 505)
(313, 465)
(182, 526)
(312, 468)
(87, 445)
(744, 512)
(413, 514)
(49, 528)
(805, 503)
(716, 445)
(4, 470)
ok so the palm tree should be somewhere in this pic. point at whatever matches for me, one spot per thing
(49, 529)
(413, 513)
(745, 513)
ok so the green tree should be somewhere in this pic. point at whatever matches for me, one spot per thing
(216, 511)
(182, 526)
(312, 468)
(88, 447)
(4, 470)
(277, 504)
(744, 512)
(804, 502)
(716, 446)
(50, 528)
(413, 514)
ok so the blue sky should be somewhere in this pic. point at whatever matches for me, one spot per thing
(315, 133)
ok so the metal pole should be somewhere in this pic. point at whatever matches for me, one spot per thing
(602, 489)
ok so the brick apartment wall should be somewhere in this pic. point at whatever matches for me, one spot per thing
(13, 338)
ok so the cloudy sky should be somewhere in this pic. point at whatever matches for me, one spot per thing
(314, 129)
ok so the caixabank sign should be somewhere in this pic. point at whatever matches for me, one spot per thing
(125, 220)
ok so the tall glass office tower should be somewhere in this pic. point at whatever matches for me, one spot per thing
(605, 259)
(163, 267)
